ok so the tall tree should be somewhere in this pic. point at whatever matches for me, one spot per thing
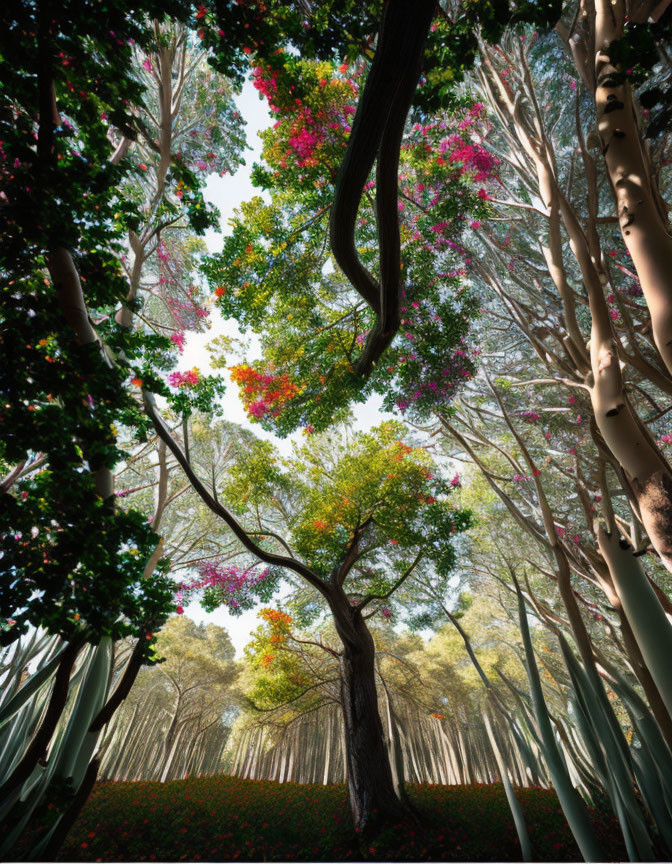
(359, 514)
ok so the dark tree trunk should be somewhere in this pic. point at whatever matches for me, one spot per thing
(373, 798)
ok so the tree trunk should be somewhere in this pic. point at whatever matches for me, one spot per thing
(327, 750)
(394, 746)
(373, 798)
(643, 225)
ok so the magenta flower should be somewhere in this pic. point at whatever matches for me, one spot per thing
(184, 379)
(178, 340)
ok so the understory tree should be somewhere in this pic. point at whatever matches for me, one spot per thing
(352, 516)
(174, 721)
(431, 703)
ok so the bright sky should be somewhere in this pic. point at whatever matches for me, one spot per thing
(227, 193)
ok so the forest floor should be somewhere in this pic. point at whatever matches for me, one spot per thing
(227, 819)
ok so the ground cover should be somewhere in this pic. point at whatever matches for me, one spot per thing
(228, 819)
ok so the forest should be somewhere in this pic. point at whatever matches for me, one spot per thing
(338, 528)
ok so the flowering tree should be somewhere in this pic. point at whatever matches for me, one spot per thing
(359, 516)
(313, 325)
(430, 703)
(82, 567)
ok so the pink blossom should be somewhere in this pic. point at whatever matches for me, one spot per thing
(178, 340)
(184, 379)
(258, 409)
(234, 584)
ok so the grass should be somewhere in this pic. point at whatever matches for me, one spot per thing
(228, 819)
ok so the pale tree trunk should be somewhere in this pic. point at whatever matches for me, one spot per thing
(327, 750)
(514, 804)
(650, 625)
(170, 735)
(394, 745)
(643, 224)
(648, 473)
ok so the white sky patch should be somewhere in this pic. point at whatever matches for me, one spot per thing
(229, 191)
(239, 628)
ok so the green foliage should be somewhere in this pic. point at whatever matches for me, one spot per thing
(276, 277)
(255, 477)
(71, 580)
(638, 54)
(74, 560)
(280, 675)
(452, 45)
(196, 652)
(336, 486)
(238, 33)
